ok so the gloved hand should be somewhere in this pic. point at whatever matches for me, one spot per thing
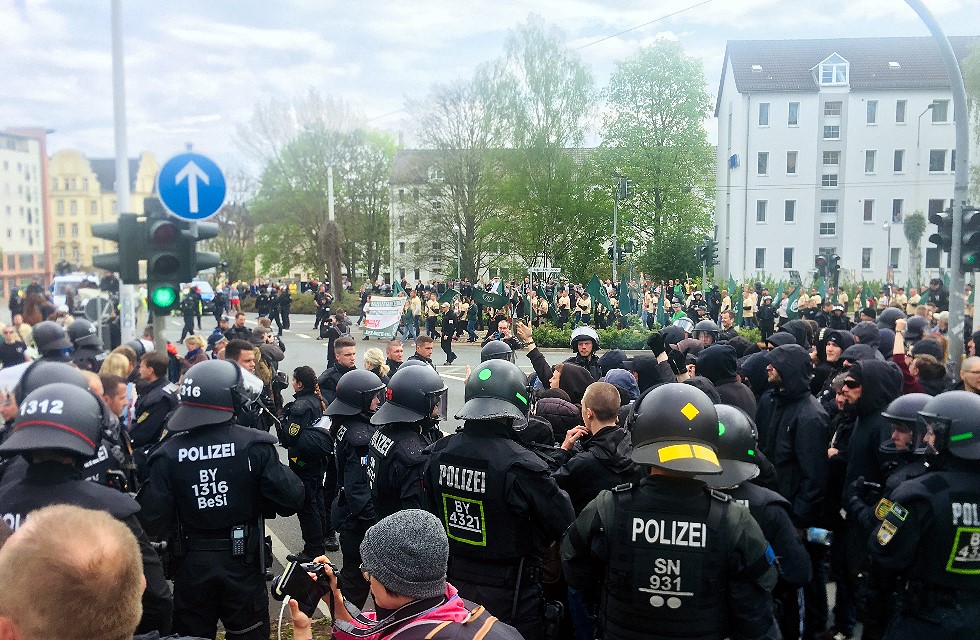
(678, 361)
(656, 343)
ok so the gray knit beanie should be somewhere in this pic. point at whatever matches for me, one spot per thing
(407, 552)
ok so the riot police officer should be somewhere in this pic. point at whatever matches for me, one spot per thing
(210, 485)
(51, 341)
(57, 429)
(88, 354)
(584, 342)
(497, 350)
(707, 332)
(672, 558)
(358, 396)
(409, 422)
(501, 507)
(930, 527)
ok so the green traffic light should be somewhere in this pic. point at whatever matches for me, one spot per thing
(163, 297)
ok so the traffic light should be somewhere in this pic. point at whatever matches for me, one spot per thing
(162, 245)
(820, 262)
(711, 253)
(943, 238)
(194, 260)
(126, 232)
(609, 254)
(970, 257)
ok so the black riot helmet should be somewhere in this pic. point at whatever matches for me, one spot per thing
(675, 427)
(43, 372)
(413, 394)
(50, 337)
(706, 327)
(737, 446)
(496, 350)
(356, 392)
(903, 413)
(889, 316)
(495, 389)
(58, 417)
(138, 348)
(952, 424)
(83, 333)
(210, 393)
(915, 328)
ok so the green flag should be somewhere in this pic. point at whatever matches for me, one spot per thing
(450, 296)
(598, 293)
(792, 312)
(624, 295)
(396, 288)
(735, 295)
(822, 290)
(489, 298)
(908, 286)
(660, 306)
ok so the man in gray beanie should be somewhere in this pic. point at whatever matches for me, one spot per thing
(404, 558)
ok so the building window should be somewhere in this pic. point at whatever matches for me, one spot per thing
(763, 163)
(831, 132)
(831, 158)
(791, 157)
(74, 231)
(789, 211)
(60, 207)
(866, 258)
(61, 253)
(832, 108)
(932, 257)
(833, 71)
(940, 110)
(760, 258)
(763, 114)
(900, 106)
(952, 160)
(793, 117)
(898, 164)
(828, 229)
(761, 209)
(872, 114)
(870, 160)
(418, 275)
(829, 207)
(95, 251)
(869, 211)
(937, 160)
(895, 257)
(73, 207)
(416, 195)
(54, 182)
(74, 255)
(401, 247)
(897, 205)
(93, 207)
(828, 180)
(61, 231)
(936, 205)
(787, 257)
(84, 184)
(437, 246)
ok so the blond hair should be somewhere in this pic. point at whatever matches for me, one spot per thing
(117, 364)
(374, 360)
(193, 342)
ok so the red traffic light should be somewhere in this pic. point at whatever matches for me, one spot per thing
(164, 233)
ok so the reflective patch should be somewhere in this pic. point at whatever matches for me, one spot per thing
(684, 451)
(485, 374)
(886, 532)
(964, 557)
(143, 416)
(882, 509)
(464, 520)
(899, 511)
(294, 429)
(690, 411)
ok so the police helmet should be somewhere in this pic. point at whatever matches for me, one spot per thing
(495, 389)
(44, 372)
(50, 336)
(906, 408)
(137, 347)
(675, 427)
(737, 445)
(83, 333)
(496, 350)
(673, 334)
(952, 421)
(583, 333)
(915, 328)
(355, 392)
(58, 417)
(413, 394)
(210, 393)
(413, 362)
(685, 323)
(699, 293)
(888, 318)
(706, 326)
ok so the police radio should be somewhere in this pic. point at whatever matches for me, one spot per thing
(238, 541)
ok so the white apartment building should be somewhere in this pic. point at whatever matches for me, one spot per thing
(22, 209)
(826, 146)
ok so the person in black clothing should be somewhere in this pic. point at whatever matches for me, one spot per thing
(285, 302)
(585, 342)
(345, 350)
(155, 402)
(214, 482)
(56, 438)
(189, 310)
(323, 300)
(449, 326)
(12, 349)
(766, 317)
(239, 331)
(263, 302)
(937, 295)
(394, 356)
(310, 448)
(88, 354)
(408, 422)
(218, 306)
(423, 350)
(718, 364)
(16, 303)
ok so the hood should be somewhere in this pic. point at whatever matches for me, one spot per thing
(886, 342)
(843, 337)
(537, 431)
(867, 333)
(753, 371)
(792, 363)
(859, 352)
(799, 331)
(573, 381)
(881, 382)
(647, 373)
(781, 338)
(718, 363)
(562, 415)
(624, 381)
(612, 445)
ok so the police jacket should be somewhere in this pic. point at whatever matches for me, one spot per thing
(262, 303)
(285, 301)
(793, 432)
(238, 333)
(155, 402)
(328, 381)
(88, 358)
(395, 465)
(392, 366)
(449, 320)
(308, 444)
(590, 364)
(48, 483)
(216, 477)
(603, 463)
(496, 498)
(673, 560)
(353, 438)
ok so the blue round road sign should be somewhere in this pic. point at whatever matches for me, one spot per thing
(191, 186)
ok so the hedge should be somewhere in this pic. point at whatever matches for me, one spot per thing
(632, 338)
(303, 303)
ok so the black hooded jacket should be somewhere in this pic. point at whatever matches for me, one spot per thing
(800, 332)
(718, 363)
(881, 382)
(794, 434)
(825, 372)
(603, 464)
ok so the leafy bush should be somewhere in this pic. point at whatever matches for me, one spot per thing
(752, 335)
(548, 335)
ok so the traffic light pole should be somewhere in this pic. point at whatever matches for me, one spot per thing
(957, 296)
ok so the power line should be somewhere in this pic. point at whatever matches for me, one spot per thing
(645, 24)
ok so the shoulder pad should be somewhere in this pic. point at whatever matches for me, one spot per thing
(529, 461)
(626, 486)
(254, 436)
(356, 433)
(718, 495)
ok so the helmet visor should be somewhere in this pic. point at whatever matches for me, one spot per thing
(931, 434)
(439, 404)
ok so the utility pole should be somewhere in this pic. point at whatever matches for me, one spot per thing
(619, 193)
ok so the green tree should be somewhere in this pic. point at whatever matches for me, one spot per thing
(914, 228)
(235, 242)
(653, 134)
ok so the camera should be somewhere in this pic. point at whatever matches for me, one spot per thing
(297, 583)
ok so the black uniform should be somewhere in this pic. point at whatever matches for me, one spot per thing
(323, 301)
(675, 560)
(155, 402)
(285, 303)
(449, 322)
(262, 303)
(88, 358)
(219, 480)
(591, 364)
(189, 309)
(501, 509)
(48, 483)
(354, 510)
(395, 466)
(310, 449)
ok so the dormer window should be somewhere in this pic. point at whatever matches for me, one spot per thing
(832, 71)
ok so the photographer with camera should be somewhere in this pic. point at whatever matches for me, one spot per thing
(404, 558)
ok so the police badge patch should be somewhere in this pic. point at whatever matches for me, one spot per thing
(294, 429)
(886, 532)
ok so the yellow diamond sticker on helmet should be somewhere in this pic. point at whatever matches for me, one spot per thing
(690, 411)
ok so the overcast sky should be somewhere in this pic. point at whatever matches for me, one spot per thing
(195, 70)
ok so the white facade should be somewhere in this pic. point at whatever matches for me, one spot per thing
(831, 167)
(22, 242)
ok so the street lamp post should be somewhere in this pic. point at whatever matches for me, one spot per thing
(918, 152)
(889, 276)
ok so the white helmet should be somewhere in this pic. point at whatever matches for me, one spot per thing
(584, 333)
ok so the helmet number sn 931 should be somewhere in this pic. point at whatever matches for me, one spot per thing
(55, 407)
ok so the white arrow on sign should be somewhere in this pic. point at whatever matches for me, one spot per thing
(192, 173)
